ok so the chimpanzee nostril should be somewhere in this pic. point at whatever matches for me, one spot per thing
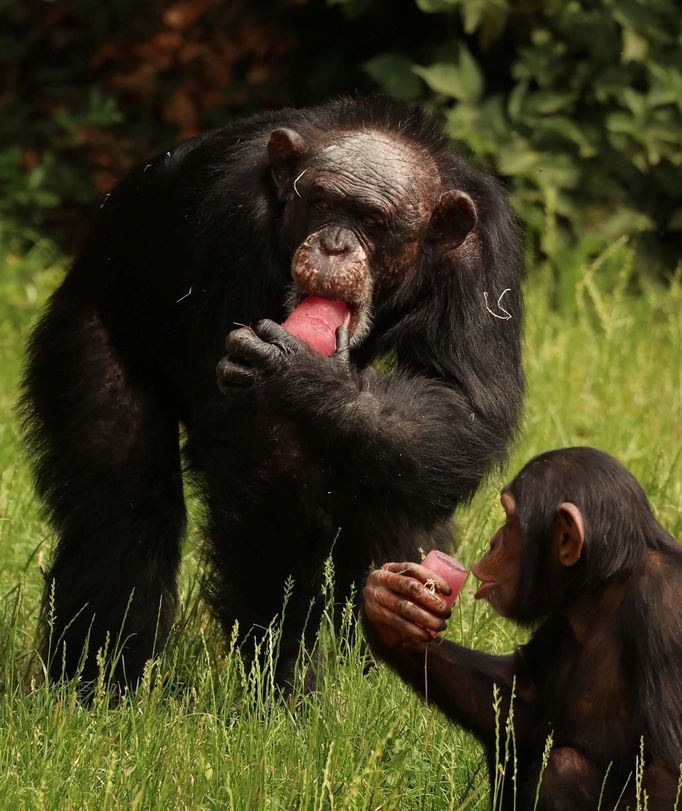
(335, 241)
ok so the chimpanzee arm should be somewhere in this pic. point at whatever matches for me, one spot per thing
(415, 437)
(397, 609)
(461, 682)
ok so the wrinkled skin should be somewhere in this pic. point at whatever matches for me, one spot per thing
(358, 213)
(401, 601)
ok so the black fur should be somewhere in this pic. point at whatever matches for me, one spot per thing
(184, 249)
(600, 690)
(620, 531)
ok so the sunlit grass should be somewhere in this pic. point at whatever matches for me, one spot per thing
(604, 367)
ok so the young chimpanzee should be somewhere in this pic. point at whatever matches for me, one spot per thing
(582, 552)
(357, 217)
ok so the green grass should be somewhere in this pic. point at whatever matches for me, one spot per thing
(604, 368)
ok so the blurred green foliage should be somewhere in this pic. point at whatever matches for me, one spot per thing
(577, 105)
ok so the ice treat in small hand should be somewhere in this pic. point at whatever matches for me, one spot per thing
(316, 320)
(450, 570)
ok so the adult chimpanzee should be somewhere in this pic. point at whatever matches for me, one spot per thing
(356, 201)
(580, 550)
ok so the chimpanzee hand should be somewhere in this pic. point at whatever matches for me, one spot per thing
(401, 608)
(254, 353)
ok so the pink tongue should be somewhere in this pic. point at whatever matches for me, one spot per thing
(315, 322)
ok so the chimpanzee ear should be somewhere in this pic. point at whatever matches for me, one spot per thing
(569, 533)
(452, 218)
(286, 150)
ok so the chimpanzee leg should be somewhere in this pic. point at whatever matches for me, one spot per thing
(249, 588)
(265, 528)
(106, 461)
(569, 783)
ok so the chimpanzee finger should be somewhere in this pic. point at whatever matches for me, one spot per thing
(275, 334)
(406, 629)
(231, 375)
(245, 345)
(396, 609)
(411, 589)
(379, 615)
(342, 345)
(421, 573)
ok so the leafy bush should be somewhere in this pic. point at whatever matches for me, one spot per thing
(578, 105)
(91, 89)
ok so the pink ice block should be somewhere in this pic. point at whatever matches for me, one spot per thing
(316, 320)
(450, 570)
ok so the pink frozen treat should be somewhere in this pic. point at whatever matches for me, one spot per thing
(449, 569)
(316, 320)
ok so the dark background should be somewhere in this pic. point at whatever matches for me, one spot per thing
(576, 105)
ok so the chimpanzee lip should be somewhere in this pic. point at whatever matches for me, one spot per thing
(485, 589)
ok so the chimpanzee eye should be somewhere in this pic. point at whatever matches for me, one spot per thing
(373, 220)
(321, 204)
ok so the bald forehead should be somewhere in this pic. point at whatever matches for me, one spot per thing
(379, 160)
(396, 155)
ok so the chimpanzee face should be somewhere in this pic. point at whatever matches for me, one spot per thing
(360, 207)
(372, 187)
(499, 570)
(512, 586)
